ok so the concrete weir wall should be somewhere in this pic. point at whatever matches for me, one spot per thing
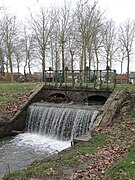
(107, 112)
(111, 107)
(17, 122)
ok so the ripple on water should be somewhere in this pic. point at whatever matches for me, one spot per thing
(20, 151)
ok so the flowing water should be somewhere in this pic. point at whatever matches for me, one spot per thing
(18, 152)
(49, 129)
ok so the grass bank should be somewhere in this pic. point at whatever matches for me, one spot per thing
(125, 169)
(10, 92)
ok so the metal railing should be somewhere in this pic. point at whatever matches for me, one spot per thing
(85, 78)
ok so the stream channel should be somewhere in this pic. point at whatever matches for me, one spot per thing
(18, 152)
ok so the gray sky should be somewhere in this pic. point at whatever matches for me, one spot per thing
(118, 10)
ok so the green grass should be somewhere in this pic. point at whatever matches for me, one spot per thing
(9, 92)
(4, 100)
(133, 114)
(70, 159)
(97, 141)
(16, 88)
(130, 87)
(41, 170)
(125, 169)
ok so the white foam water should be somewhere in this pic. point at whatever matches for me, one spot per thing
(40, 144)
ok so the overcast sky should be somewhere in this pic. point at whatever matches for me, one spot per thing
(118, 10)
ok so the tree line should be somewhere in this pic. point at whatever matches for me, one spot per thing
(74, 37)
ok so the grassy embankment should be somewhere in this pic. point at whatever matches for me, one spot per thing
(109, 155)
(10, 92)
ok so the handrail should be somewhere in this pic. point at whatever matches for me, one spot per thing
(81, 78)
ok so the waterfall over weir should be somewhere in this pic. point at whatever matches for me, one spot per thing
(60, 121)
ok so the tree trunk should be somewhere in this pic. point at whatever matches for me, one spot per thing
(18, 66)
(97, 61)
(52, 62)
(25, 75)
(43, 65)
(56, 68)
(72, 66)
(10, 64)
(63, 62)
(128, 63)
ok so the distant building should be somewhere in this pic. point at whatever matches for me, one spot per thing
(121, 78)
(38, 74)
(132, 77)
(111, 75)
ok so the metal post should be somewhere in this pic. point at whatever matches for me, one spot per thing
(100, 78)
(73, 80)
(45, 78)
(94, 78)
(107, 77)
(56, 77)
(81, 81)
(66, 77)
(114, 78)
(61, 77)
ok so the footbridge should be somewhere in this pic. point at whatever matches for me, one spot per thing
(79, 86)
(76, 94)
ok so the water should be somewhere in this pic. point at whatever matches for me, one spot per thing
(18, 152)
(49, 129)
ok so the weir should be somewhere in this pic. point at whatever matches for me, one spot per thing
(54, 95)
(60, 121)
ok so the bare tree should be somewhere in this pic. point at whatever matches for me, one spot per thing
(10, 28)
(85, 19)
(96, 39)
(1, 61)
(42, 25)
(88, 27)
(54, 43)
(121, 57)
(28, 47)
(126, 39)
(109, 43)
(1, 50)
(63, 30)
(82, 31)
(18, 54)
